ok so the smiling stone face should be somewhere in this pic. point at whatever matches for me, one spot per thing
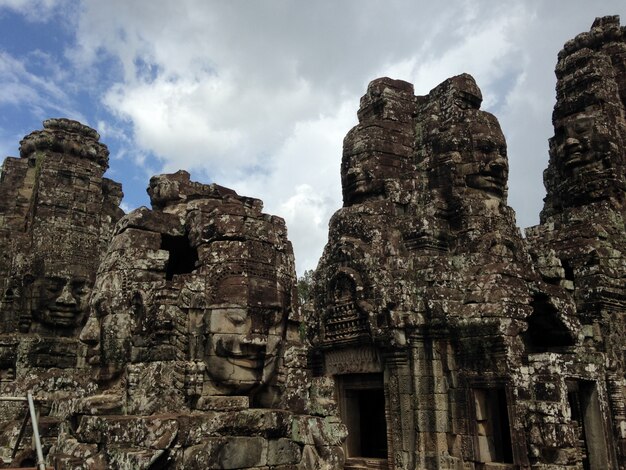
(581, 146)
(237, 340)
(470, 156)
(377, 152)
(586, 160)
(243, 330)
(60, 301)
(588, 150)
(490, 169)
(107, 332)
(226, 312)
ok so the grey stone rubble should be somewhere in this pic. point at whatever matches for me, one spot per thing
(436, 335)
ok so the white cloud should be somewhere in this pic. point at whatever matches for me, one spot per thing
(25, 88)
(210, 124)
(303, 184)
(34, 10)
(307, 212)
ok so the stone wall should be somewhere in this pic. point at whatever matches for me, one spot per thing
(56, 216)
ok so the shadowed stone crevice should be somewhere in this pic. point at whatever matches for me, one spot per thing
(546, 330)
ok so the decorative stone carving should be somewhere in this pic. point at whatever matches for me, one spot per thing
(583, 220)
(425, 266)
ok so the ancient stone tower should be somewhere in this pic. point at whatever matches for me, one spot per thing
(56, 217)
(439, 337)
(453, 341)
(57, 208)
(185, 352)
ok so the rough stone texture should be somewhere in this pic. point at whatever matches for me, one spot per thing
(192, 300)
(184, 348)
(57, 215)
(490, 349)
(438, 337)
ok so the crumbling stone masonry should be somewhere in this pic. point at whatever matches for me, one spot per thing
(193, 340)
(438, 336)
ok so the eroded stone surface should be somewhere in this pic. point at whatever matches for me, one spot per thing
(582, 227)
(186, 336)
(193, 321)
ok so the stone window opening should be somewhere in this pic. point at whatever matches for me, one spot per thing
(362, 408)
(569, 271)
(546, 331)
(492, 431)
(582, 397)
(182, 256)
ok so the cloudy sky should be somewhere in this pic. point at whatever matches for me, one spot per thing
(258, 95)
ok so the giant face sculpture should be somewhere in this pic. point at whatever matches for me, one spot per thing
(229, 310)
(244, 328)
(363, 175)
(122, 319)
(489, 168)
(107, 332)
(245, 321)
(581, 146)
(378, 151)
(60, 301)
(471, 154)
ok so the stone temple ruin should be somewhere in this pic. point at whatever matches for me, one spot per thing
(436, 337)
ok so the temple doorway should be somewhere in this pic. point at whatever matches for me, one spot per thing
(582, 396)
(362, 407)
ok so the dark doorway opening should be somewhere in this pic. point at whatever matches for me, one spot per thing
(546, 330)
(362, 405)
(493, 430)
(582, 396)
(373, 428)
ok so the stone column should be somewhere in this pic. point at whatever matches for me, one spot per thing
(399, 399)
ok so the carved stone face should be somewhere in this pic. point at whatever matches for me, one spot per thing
(60, 300)
(242, 339)
(107, 332)
(490, 169)
(362, 178)
(473, 155)
(581, 147)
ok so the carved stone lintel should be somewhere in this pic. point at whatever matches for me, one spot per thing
(357, 360)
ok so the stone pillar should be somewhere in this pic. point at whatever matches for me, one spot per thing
(430, 401)
(400, 400)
